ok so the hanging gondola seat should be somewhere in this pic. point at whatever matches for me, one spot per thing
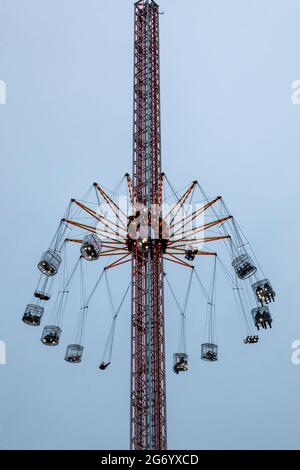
(91, 247)
(209, 352)
(263, 291)
(244, 266)
(50, 263)
(180, 362)
(74, 353)
(104, 365)
(51, 335)
(33, 315)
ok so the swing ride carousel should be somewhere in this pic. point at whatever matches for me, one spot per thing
(184, 225)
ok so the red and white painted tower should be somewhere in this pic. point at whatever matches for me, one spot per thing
(148, 387)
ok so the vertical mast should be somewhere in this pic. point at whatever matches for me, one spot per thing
(148, 394)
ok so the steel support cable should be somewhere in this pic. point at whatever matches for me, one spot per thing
(183, 229)
(174, 192)
(192, 219)
(180, 201)
(80, 331)
(235, 235)
(62, 281)
(61, 300)
(119, 213)
(192, 194)
(94, 288)
(233, 282)
(207, 199)
(249, 308)
(240, 235)
(83, 200)
(229, 276)
(246, 328)
(243, 325)
(107, 354)
(77, 336)
(251, 249)
(240, 300)
(41, 286)
(183, 315)
(65, 266)
(82, 284)
(182, 311)
(229, 243)
(247, 323)
(206, 295)
(109, 294)
(75, 215)
(186, 216)
(213, 301)
(248, 293)
(190, 197)
(98, 198)
(239, 239)
(106, 223)
(245, 304)
(187, 293)
(86, 193)
(210, 329)
(112, 193)
(173, 293)
(60, 232)
(71, 277)
(45, 285)
(98, 218)
(73, 212)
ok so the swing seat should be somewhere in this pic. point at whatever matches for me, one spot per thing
(244, 266)
(51, 335)
(264, 292)
(42, 295)
(91, 247)
(209, 352)
(262, 317)
(50, 263)
(104, 365)
(251, 339)
(180, 362)
(74, 353)
(33, 315)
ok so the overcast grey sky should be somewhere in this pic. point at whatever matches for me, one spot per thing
(227, 120)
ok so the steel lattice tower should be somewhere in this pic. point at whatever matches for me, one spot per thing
(148, 389)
